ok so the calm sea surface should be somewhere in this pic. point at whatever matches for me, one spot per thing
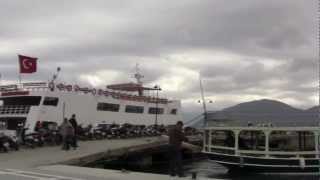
(202, 166)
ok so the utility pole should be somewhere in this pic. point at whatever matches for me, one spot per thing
(54, 77)
(205, 114)
(157, 88)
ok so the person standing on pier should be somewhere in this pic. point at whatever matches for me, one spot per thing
(74, 124)
(67, 133)
(176, 137)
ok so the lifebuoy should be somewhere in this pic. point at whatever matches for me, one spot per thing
(106, 93)
(100, 92)
(76, 88)
(94, 91)
(60, 86)
(51, 86)
(69, 87)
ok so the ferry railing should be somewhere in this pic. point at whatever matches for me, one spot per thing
(14, 109)
(252, 153)
(124, 96)
(36, 88)
(278, 153)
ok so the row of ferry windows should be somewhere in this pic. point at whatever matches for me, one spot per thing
(29, 101)
(132, 109)
(53, 101)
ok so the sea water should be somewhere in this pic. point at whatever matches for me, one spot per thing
(202, 166)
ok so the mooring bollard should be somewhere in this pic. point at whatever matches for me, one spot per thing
(194, 175)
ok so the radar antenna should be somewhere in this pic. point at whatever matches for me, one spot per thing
(138, 75)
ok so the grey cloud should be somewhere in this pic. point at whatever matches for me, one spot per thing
(87, 37)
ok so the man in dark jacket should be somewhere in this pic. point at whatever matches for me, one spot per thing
(176, 137)
(74, 124)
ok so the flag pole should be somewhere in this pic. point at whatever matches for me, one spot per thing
(19, 76)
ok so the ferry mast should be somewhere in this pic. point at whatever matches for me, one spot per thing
(138, 76)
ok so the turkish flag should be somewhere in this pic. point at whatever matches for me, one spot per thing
(27, 64)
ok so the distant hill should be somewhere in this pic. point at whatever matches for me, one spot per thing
(266, 111)
(314, 109)
(263, 106)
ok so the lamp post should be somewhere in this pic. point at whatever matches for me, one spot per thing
(205, 112)
(54, 77)
(157, 88)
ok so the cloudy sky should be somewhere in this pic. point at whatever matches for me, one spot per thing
(244, 50)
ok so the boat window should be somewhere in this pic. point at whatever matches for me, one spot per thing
(49, 125)
(292, 141)
(134, 109)
(154, 110)
(222, 138)
(252, 140)
(108, 107)
(50, 101)
(21, 100)
(206, 137)
(173, 111)
(1, 103)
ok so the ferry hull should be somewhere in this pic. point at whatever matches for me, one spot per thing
(237, 164)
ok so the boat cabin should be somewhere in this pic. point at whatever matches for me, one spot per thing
(263, 147)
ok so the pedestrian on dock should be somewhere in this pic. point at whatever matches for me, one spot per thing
(74, 124)
(67, 133)
(176, 137)
(38, 126)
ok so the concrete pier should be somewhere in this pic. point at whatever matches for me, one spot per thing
(51, 163)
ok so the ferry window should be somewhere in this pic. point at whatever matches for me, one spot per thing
(108, 107)
(134, 109)
(1, 103)
(21, 100)
(291, 141)
(12, 123)
(154, 110)
(173, 111)
(50, 101)
(252, 140)
(222, 138)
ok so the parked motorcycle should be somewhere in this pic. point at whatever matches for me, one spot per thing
(8, 142)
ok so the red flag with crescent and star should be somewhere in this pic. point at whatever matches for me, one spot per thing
(27, 64)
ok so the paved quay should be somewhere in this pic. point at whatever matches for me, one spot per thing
(51, 163)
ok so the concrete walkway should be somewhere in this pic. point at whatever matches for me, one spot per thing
(28, 158)
(46, 163)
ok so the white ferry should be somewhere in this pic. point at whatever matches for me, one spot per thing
(264, 149)
(27, 103)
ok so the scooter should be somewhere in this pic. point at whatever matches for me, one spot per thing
(7, 142)
(33, 140)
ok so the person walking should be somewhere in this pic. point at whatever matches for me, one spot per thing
(67, 133)
(74, 124)
(176, 137)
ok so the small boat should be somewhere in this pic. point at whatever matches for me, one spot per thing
(264, 149)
